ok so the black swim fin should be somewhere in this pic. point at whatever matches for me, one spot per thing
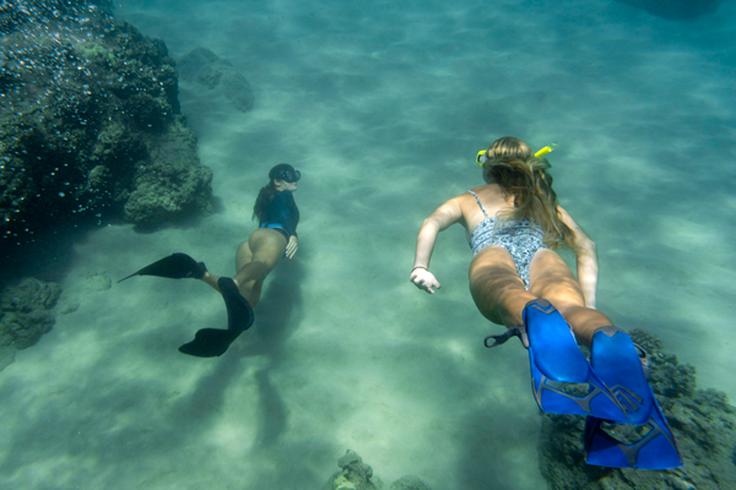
(212, 342)
(209, 342)
(175, 266)
(240, 314)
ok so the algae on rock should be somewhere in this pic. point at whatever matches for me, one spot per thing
(90, 125)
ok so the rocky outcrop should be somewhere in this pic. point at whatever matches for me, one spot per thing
(90, 126)
(409, 482)
(703, 422)
(210, 72)
(354, 474)
(26, 313)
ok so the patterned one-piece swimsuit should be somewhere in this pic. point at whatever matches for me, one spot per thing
(520, 238)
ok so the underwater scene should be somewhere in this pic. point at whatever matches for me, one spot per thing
(217, 220)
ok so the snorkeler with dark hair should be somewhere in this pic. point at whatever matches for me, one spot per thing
(274, 238)
(514, 223)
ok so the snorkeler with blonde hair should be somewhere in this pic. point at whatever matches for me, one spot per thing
(274, 238)
(514, 223)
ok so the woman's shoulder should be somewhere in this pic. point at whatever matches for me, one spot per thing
(463, 199)
(486, 187)
(284, 199)
(468, 200)
(486, 190)
(469, 193)
(283, 196)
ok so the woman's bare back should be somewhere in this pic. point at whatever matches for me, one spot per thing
(492, 196)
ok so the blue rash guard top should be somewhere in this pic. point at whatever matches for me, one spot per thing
(281, 214)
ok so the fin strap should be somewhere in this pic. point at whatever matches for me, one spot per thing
(502, 338)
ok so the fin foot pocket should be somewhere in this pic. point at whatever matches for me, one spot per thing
(562, 379)
(240, 314)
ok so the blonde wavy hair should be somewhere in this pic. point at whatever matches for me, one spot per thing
(512, 165)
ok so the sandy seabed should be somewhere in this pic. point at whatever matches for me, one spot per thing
(382, 106)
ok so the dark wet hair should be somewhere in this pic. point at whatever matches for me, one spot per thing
(264, 197)
(512, 165)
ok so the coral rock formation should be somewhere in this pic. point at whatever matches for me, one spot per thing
(90, 128)
(205, 68)
(354, 474)
(25, 315)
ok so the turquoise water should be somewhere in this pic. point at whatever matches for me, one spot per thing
(382, 105)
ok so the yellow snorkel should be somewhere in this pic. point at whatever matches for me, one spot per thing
(545, 150)
(480, 156)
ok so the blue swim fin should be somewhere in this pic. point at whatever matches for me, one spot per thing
(651, 444)
(562, 379)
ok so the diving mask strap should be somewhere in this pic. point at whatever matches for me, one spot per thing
(481, 156)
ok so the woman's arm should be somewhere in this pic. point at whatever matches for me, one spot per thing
(442, 217)
(286, 213)
(283, 210)
(587, 260)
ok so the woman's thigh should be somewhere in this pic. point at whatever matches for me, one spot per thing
(497, 289)
(552, 279)
(267, 246)
(244, 255)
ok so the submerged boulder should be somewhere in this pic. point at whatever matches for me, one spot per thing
(409, 482)
(90, 125)
(172, 183)
(354, 474)
(26, 313)
(703, 422)
(209, 71)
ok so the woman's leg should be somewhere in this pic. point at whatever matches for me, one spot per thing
(211, 280)
(255, 258)
(497, 289)
(243, 256)
(551, 278)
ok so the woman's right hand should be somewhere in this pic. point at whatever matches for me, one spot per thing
(291, 247)
(423, 279)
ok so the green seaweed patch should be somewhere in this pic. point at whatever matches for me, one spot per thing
(96, 51)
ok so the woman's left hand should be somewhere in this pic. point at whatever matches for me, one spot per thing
(291, 247)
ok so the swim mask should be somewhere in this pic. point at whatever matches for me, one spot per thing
(285, 172)
(481, 156)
